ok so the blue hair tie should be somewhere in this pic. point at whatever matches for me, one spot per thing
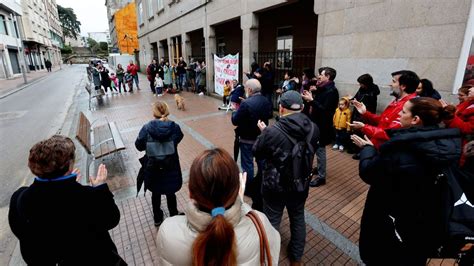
(217, 211)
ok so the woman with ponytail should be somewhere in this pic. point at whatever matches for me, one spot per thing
(215, 230)
(402, 211)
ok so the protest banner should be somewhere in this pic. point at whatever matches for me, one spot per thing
(225, 68)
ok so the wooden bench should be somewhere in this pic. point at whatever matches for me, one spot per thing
(98, 141)
(93, 94)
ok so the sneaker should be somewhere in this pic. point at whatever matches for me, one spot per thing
(335, 147)
(317, 182)
(223, 105)
(201, 93)
(158, 223)
(159, 95)
(341, 148)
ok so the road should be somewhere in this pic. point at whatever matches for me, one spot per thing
(26, 117)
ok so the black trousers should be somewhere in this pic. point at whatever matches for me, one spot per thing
(152, 86)
(156, 203)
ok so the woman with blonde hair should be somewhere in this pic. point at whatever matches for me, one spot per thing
(217, 229)
(160, 170)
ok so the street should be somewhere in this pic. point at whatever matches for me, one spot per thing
(26, 117)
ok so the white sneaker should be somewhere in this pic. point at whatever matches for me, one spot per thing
(223, 105)
(159, 95)
(341, 148)
(201, 93)
(335, 147)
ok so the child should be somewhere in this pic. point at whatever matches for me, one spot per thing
(129, 80)
(236, 95)
(113, 82)
(225, 98)
(158, 85)
(341, 120)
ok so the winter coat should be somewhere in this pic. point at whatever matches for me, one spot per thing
(132, 69)
(120, 73)
(202, 79)
(104, 76)
(464, 120)
(341, 118)
(167, 74)
(236, 93)
(151, 71)
(166, 180)
(402, 195)
(321, 111)
(56, 220)
(181, 68)
(272, 145)
(96, 76)
(388, 119)
(178, 233)
(367, 96)
(255, 108)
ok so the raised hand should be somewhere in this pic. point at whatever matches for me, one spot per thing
(261, 125)
(101, 176)
(361, 142)
(356, 125)
(359, 106)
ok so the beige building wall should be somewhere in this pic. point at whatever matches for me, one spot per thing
(354, 36)
(382, 36)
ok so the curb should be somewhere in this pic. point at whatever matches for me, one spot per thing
(34, 81)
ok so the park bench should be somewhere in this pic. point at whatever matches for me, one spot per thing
(98, 141)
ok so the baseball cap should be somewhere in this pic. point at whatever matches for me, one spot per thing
(291, 100)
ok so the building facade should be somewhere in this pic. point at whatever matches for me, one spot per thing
(102, 36)
(10, 42)
(42, 33)
(117, 26)
(354, 37)
(79, 42)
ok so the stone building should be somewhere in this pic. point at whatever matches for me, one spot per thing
(10, 42)
(353, 36)
(122, 20)
(42, 33)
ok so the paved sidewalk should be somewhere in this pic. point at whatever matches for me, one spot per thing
(9, 85)
(333, 211)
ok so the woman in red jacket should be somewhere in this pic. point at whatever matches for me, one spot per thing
(464, 119)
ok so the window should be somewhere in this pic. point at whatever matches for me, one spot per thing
(161, 5)
(140, 13)
(150, 8)
(3, 25)
(284, 48)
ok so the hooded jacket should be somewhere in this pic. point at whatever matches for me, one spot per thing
(273, 147)
(169, 179)
(401, 208)
(368, 96)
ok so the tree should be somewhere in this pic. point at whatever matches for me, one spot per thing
(93, 45)
(104, 46)
(71, 26)
(66, 49)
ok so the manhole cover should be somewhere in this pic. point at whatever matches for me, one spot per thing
(12, 115)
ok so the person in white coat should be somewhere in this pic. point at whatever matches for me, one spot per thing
(215, 229)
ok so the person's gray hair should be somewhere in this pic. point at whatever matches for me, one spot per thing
(254, 85)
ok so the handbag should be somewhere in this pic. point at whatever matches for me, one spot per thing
(262, 235)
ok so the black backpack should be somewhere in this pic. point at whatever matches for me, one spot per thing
(159, 153)
(299, 164)
(457, 192)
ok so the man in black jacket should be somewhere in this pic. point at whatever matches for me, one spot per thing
(321, 103)
(277, 189)
(256, 107)
(151, 71)
(57, 218)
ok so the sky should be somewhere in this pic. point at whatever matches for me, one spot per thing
(91, 13)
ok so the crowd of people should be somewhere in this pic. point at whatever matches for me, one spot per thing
(401, 151)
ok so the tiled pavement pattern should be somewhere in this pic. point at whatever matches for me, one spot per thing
(338, 204)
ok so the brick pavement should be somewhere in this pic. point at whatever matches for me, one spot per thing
(332, 212)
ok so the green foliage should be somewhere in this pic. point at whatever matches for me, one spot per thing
(71, 26)
(104, 46)
(66, 49)
(93, 45)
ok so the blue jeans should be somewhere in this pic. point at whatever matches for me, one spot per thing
(273, 206)
(181, 80)
(136, 79)
(246, 159)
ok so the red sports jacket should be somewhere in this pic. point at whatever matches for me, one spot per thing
(389, 119)
(464, 120)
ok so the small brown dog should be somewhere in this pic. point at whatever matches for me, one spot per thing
(179, 102)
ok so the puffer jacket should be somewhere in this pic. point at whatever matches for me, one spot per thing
(273, 147)
(341, 118)
(167, 180)
(177, 234)
(403, 201)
